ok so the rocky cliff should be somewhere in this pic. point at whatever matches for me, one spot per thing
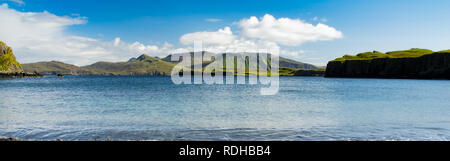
(434, 65)
(9, 67)
(8, 63)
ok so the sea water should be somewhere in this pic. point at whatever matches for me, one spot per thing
(153, 108)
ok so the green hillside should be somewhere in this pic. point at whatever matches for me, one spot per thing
(284, 62)
(411, 53)
(289, 63)
(147, 65)
(143, 65)
(8, 62)
(288, 67)
(55, 67)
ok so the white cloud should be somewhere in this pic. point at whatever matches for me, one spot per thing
(223, 41)
(41, 36)
(236, 46)
(117, 41)
(213, 20)
(220, 37)
(20, 2)
(296, 54)
(265, 34)
(286, 31)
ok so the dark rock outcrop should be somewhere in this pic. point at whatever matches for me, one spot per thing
(431, 66)
(19, 75)
(9, 139)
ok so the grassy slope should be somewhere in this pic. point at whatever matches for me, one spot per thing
(8, 61)
(287, 66)
(144, 65)
(284, 62)
(411, 53)
(444, 52)
(284, 71)
(55, 67)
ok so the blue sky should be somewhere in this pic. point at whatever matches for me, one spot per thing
(365, 25)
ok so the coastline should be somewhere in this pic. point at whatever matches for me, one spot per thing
(20, 75)
(9, 139)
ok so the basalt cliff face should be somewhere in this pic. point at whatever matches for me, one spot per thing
(428, 66)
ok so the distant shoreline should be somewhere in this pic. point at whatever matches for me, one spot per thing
(9, 139)
(20, 75)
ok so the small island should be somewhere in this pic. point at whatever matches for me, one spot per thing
(406, 64)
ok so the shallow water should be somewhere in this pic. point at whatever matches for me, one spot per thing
(153, 108)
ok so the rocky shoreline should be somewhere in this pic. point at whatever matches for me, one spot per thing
(9, 139)
(20, 75)
(16, 139)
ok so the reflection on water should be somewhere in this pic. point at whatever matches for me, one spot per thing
(152, 108)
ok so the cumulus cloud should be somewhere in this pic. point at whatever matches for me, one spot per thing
(236, 46)
(224, 40)
(286, 31)
(267, 33)
(40, 36)
(220, 37)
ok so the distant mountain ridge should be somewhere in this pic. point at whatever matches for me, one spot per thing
(55, 67)
(142, 65)
(284, 62)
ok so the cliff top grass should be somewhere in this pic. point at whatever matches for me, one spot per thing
(411, 53)
(287, 71)
(444, 52)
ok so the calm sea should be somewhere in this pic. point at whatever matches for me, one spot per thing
(153, 108)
